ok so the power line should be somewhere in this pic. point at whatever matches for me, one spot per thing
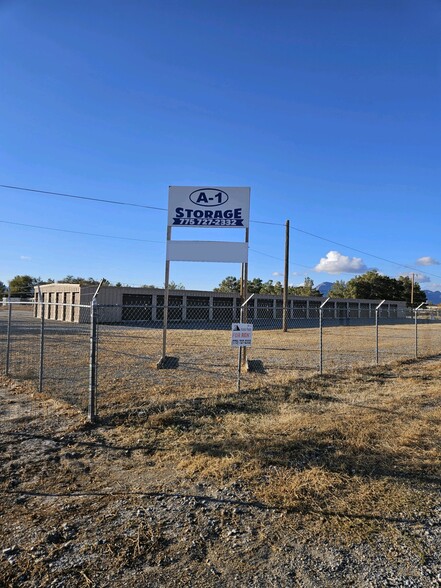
(279, 258)
(267, 223)
(78, 232)
(132, 204)
(363, 252)
(81, 197)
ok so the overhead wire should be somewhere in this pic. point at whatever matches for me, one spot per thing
(78, 232)
(145, 206)
(81, 197)
(361, 251)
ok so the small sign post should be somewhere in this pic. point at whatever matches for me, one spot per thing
(241, 336)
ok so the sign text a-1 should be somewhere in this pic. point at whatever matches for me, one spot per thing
(192, 206)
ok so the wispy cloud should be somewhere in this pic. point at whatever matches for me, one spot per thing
(25, 257)
(427, 260)
(277, 274)
(336, 263)
(417, 276)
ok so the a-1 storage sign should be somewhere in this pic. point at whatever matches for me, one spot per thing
(241, 335)
(190, 206)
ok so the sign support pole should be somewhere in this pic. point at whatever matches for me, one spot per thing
(165, 312)
(239, 364)
(242, 350)
(244, 293)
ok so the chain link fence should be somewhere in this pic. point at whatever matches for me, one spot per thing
(46, 350)
(111, 363)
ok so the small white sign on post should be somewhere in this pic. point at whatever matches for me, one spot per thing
(241, 335)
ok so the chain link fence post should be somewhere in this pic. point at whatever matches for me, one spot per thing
(92, 362)
(41, 368)
(241, 357)
(416, 329)
(8, 336)
(93, 356)
(377, 312)
(321, 335)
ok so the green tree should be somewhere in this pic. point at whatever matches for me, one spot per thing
(255, 285)
(3, 290)
(23, 286)
(339, 290)
(176, 286)
(308, 289)
(258, 286)
(83, 281)
(373, 285)
(229, 284)
(271, 287)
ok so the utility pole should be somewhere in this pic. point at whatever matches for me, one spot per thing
(285, 280)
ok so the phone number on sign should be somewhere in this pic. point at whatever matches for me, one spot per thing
(209, 222)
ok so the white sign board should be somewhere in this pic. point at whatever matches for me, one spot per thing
(223, 251)
(192, 206)
(241, 335)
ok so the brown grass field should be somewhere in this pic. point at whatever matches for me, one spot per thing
(347, 461)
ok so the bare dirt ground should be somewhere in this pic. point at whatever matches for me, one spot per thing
(327, 480)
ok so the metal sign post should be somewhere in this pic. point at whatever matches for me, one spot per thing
(244, 294)
(241, 337)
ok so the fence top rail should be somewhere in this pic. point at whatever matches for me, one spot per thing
(45, 303)
(16, 302)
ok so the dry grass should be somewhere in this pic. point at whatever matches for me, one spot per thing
(360, 447)
(127, 358)
(339, 459)
(357, 443)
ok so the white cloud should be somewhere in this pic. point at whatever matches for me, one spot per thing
(426, 260)
(417, 276)
(336, 263)
(277, 274)
(25, 257)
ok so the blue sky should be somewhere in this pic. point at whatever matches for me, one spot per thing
(328, 109)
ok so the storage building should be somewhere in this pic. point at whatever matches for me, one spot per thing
(71, 303)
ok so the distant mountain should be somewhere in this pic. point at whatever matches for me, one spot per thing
(433, 297)
(324, 287)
